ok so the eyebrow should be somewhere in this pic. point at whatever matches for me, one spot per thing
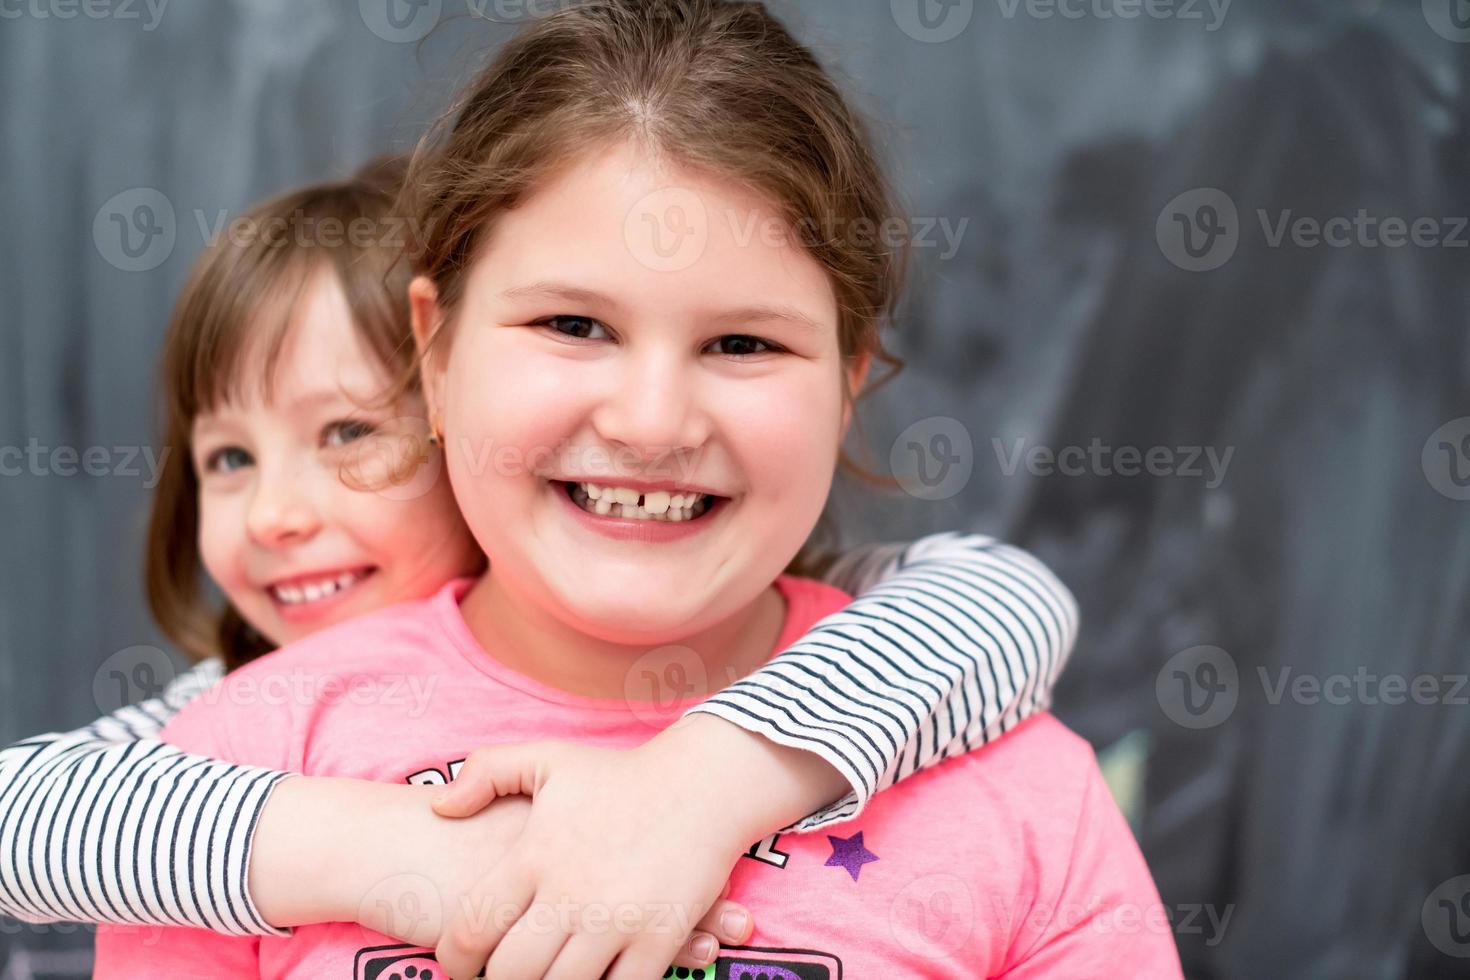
(760, 313)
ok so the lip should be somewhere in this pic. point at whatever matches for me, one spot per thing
(631, 529)
(305, 612)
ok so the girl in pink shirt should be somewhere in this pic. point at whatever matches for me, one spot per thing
(648, 292)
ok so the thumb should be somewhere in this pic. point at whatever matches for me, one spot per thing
(492, 772)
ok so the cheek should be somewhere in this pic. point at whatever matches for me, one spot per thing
(507, 408)
(787, 436)
(221, 540)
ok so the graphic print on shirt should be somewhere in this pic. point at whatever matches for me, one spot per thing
(403, 962)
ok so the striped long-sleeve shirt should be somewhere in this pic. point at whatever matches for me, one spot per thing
(948, 643)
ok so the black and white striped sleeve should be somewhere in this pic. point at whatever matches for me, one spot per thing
(89, 821)
(949, 642)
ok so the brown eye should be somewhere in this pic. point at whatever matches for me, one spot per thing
(576, 327)
(742, 345)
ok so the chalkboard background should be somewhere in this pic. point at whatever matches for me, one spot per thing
(1121, 184)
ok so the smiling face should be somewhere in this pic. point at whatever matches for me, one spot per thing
(583, 351)
(292, 546)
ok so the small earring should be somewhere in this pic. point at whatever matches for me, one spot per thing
(434, 439)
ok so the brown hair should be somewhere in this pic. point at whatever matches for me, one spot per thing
(228, 328)
(717, 85)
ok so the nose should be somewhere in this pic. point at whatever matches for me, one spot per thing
(654, 405)
(281, 510)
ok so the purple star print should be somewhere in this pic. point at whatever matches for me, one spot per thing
(849, 853)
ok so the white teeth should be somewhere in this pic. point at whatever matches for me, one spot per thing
(656, 502)
(658, 505)
(313, 591)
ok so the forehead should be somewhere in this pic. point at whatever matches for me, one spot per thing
(661, 233)
(306, 349)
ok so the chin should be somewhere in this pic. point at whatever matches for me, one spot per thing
(646, 619)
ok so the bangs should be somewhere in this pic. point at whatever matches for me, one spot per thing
(234, 344)
(235, 314)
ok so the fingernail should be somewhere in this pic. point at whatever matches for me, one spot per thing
(703, 948)
(734, 923)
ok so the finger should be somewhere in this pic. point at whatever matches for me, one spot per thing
(531, 945)
(586, 956)
(725, 892)
(644, 961)
(481, 920)
(700, 950)
(729, 922)
(494, 771)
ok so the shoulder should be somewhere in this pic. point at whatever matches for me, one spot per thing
(250, 715)
(1039, 776)
(810, 599)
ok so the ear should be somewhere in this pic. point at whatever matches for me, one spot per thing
(856, 369)
(428, 318)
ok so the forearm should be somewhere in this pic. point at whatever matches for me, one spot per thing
(348, 850)
(948, 643)
(729, 760)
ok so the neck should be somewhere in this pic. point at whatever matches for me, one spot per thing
(533, 641)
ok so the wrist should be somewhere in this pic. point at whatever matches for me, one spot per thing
(318, 850)
(718, 762)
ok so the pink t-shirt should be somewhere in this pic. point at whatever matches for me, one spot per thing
(1010, 861)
